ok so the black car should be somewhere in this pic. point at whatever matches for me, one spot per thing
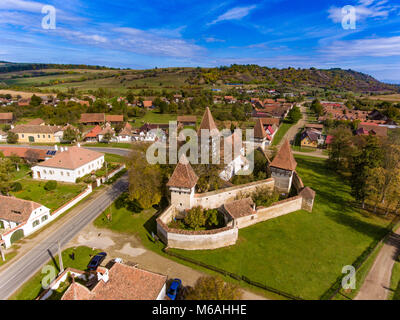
(96, 260)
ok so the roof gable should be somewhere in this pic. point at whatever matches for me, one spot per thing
(284, 158)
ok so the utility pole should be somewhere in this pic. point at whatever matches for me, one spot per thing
(106, 171)
(60, 257)
(2, 253)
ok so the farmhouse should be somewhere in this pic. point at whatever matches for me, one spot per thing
(19, 218)
(69, 164)
(28, 154)
(125, 134)
(114, 118)
(92, 135)
(186, 120)
(311, 138)
(6, 118)
(92, 118)
(38, 133)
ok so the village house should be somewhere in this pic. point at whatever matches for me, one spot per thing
(115, 119)
(148, 104)
(93, 134)
(92, 118)
(24, 102)
(311, 137)
(371, 129)
(69, 164)
(19, 218)
(187, 121)
(6, 118)
(107, 130)
(151, 132)
(119, 282)
(125, 134)
(38, 133)
(229, 99)
(30, 155)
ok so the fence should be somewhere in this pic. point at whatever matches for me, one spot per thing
(233, 275)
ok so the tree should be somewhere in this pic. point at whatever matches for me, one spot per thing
(35, 101)
(213, 288)
(12, 137)
(369, 158)
(195, 218)
(70, 135)
(340, 150)
(317, 107)
(146, 180)
(294, 115)
(50, 185)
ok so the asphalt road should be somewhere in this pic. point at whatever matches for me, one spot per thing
(21, 270)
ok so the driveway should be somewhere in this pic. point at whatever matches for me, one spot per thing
(377, 283)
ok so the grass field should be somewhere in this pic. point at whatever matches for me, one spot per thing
(284, 127)
(386, 97)
(33, 287)
(34, 190)
(302, 253)
(154, 117)
(395, 282)
(109, 157)
(110, 145)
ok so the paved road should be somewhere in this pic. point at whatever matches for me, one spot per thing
(21, 270)
(377, 283)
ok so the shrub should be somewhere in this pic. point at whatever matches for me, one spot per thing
(16, 186)
(50, 185)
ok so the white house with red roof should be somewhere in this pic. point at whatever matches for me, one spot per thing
(69, 164)
(19, 218)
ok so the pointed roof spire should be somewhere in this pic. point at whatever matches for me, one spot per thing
(259, 131)
(184, 175)
(208, 123)
(284, 158)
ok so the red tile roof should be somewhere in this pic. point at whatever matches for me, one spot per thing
(259, 131)
(183, 175)
(73, 158)
(147, 103)
(92, 118)
(208, 123)
(94, 132)
(240, 208)
(25, 153)
(6, 116)
(16, 210)
(124, 283)
(284, 158)
(114, 118)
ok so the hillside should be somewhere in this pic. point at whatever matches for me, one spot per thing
(334, 79)
(83, 77)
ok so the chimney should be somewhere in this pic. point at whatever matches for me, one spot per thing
(66, 148)
(62, 149)
(254, 207)
(56, 147)
(79, 145)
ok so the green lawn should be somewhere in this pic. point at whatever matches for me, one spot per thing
(33, 287)
(110, 145)
(395, 282)
(284, 127)
(302, 253)
(109, 157)
(34, 190)
(154, 117)
(23, 171)
(303, 149)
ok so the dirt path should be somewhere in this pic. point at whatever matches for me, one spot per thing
(291, 133)
(130, 249)
(377, 283)
(317, 154)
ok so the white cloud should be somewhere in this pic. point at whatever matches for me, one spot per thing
(212, 39)
(376, 47)
(234, 14)
(146, 42)
(364, 10)
(21, 5)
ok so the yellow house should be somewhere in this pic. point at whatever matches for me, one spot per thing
(38, 133)
(310, 138)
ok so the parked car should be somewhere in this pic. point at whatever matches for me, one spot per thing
(174, 289)
(96, 261)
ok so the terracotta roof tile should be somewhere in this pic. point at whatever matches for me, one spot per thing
(115, 118)
(36, 122)
(240, 208)
(284, 158)
(92, 117)
(33, 129)
(73, 158)
(16, 210)
(184, 175)
(6, 116)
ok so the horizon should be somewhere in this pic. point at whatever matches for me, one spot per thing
(275, 34)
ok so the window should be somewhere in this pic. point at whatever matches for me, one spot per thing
(62, 173)
(35, 223)
(44, 218)
(38, 135)
(68, 174)
(22, 136)
(49, 136)
(44, 136)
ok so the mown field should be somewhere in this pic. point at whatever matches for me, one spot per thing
(302, 253)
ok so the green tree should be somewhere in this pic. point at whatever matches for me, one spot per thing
(12, 137)
(70, 135)
(213, 288)
(369, 158)
(294, 115)
(195, 218)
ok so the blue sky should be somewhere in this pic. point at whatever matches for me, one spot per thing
(149, 33)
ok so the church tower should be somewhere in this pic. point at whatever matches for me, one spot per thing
(282, 168)
(208, 124)
(182, 184)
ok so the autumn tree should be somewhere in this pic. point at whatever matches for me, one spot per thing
(341, 147)
(213, 288)
(145, 180)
